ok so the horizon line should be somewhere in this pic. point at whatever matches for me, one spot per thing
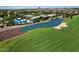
(31, 7)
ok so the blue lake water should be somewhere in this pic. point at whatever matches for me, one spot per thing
(52, 23)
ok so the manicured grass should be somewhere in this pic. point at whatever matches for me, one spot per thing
(46, 39)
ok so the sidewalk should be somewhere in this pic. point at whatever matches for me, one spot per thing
(10, 27)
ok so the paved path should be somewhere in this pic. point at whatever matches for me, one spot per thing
(10, 27)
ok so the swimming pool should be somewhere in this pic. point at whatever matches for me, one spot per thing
(52, 23)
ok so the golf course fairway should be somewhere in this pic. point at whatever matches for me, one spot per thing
(46, 39)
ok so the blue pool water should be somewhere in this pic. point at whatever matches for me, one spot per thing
(52, 23)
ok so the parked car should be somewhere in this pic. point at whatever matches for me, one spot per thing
(35, 20)
(29, 21)
(1, 25)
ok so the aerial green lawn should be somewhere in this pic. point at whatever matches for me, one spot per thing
(46, 39)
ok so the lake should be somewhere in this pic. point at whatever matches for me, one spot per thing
(52, 23)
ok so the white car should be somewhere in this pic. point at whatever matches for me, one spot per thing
(29, 21)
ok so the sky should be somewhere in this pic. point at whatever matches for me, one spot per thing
(26, 7)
